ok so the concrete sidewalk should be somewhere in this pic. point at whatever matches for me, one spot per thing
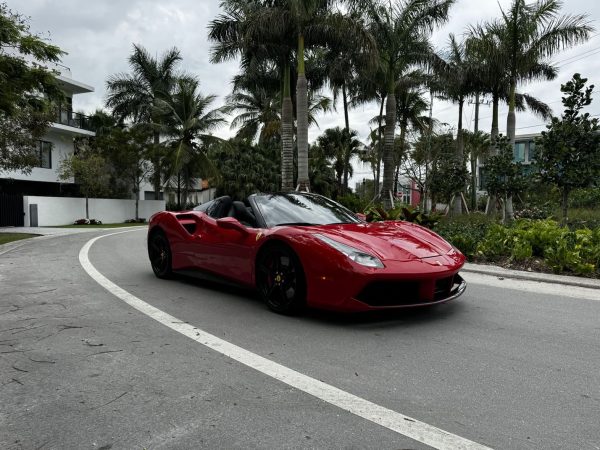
(49, 231)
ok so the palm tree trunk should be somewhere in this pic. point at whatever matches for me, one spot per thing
(490, 208)
(302, 120)
(379, 140)
(388, 148)
(510, 133)
(287, 131)
(87, 208)
(460, 144)
(403, 127)
(347, 149)
(474, 158)
(345, 98)
(156, 166)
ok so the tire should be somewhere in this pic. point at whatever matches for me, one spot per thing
(280, 279)
(159, 252)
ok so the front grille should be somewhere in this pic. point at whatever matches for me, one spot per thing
(443, 286)
(390, 293)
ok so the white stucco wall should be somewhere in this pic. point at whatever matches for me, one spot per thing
(65, 210)
(62, 147)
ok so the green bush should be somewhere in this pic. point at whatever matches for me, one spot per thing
(585, 198)
(464, 232)
(562, 249)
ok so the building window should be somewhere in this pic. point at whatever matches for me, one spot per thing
(45, 152)
(519, 153)
(531, 155)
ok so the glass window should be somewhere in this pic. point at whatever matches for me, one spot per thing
(531, 155)
(482, 179)
(519, 152)
(45, 151)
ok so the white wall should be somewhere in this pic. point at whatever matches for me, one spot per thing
(62, 148)
(65, 210)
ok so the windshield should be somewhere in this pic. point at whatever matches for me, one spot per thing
(302, 209)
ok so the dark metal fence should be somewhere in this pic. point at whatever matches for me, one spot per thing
(11, 210)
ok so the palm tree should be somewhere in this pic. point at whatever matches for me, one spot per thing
(457, 79)
(478, 146)
(259, 114)
(528, 35)
(188, 126)
(134, 96)
(410, 111)
(401, 32)
(339, 145)
(260, 32)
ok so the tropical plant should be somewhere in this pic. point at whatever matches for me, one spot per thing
(245, 168)
(477, 145)
(189, 124)
(523, 40)
(338, 146)
(401, 32)
(135, 96)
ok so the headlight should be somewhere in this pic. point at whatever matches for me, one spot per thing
(362, 258)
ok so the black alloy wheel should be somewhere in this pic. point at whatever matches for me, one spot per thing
(159, 252)
(280, 280)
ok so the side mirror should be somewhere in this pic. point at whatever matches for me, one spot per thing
(361, 216)
(231, 223)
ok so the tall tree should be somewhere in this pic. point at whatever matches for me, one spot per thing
(529, 34)
(259, 32)
(24, 113)
(188, 125)
(134, 96)
(401, 31)
(570, 148)
(338, 146)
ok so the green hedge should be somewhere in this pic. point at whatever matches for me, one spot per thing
(562, 249)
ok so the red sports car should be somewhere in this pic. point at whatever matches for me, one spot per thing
(302, 249)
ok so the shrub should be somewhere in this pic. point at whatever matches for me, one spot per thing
(464, 232)
(81, 222)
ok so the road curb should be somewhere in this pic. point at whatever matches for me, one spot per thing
(501, 272)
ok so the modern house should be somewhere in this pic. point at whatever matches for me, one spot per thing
(41, 198)
(54, 147)
(524, 152)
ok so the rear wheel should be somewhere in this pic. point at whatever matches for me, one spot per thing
(159, 252)
(280, 279)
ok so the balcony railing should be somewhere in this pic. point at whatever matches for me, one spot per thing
(73, 119)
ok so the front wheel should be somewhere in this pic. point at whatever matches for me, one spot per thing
(280, 280)
(159, 252)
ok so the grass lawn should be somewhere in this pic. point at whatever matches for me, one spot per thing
(104, 225)
(5, 238)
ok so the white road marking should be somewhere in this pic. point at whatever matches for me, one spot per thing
(392, 420)
(534, 287)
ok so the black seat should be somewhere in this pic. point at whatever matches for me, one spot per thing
(241, 213)
(222, 207)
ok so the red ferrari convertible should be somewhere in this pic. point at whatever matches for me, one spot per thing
(302, 249)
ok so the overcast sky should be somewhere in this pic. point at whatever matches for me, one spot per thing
(98, 37)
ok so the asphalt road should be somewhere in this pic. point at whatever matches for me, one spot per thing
(504, 366)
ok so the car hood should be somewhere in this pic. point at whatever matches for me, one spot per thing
(391, 240)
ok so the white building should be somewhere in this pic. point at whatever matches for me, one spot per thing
(41, 198)
(56, 145)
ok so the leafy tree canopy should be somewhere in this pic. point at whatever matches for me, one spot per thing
(570, 148)
(26, 86)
